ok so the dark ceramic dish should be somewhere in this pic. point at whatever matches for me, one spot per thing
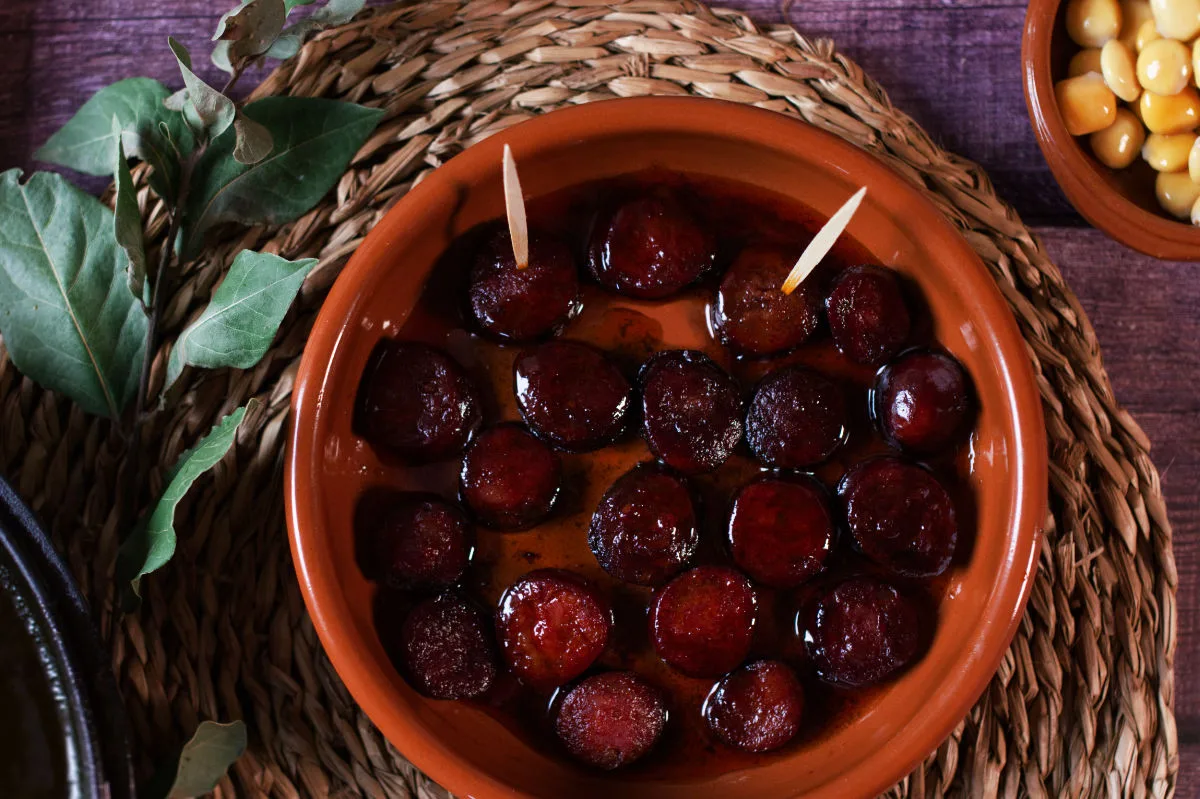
(64, 732)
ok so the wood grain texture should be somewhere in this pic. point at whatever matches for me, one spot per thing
(952, 64)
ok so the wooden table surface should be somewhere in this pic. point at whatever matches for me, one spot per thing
(953, 64)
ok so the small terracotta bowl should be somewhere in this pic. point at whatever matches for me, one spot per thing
(459, 744)
(1119, 202)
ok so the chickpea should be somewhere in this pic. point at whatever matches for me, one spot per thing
(1196, 213)
(1117, 146)
(1176, 19)
(1168, 152)
(1147, 33)
(1177, 113)
(1165, 66)
(1091, 23)
(1196, 60)
(1116, 64)
(1177, 193)
(1087, 105)
(1083, 62)
(1133, 14)
(1194, 161)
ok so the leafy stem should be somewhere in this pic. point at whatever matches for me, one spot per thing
(238, 69)
(161, 278)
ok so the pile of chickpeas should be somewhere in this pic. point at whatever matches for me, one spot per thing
(1132, 90)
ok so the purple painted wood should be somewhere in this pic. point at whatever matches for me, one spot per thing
(953, 64)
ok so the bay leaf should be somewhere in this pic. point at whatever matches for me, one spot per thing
(314, 142)
(87, 142)
(176, 101)
(127, 223)
(220, 56)
(152, 543)
(252, 143)
(66, 314)
(334, 12)
(214, 110)
(250, 29)
(243, 315)
(174, 142)
(206, 757)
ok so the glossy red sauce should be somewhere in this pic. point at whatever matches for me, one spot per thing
(631, 330)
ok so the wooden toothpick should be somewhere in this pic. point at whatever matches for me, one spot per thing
(514, 206)
(823, 242)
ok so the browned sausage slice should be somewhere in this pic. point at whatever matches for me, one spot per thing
(611, 720)
(551, 625)
(756, 708)
(447, 649)
(900, 516)
(691, 411)
(649, 248)
(572, 395)
(523, 304)
(422, 543)
(702, 622)
(781, 530)
(417, 401)
(797, 418)
(752, 315)
(861, 631)
(867, 314)
(922, 401)
(510, 479)
(644, 530)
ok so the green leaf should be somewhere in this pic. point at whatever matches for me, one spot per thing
(66, 315)
(243, 316)
(220, 57)
(335, 12)
(174, 141)
(314, 142)
(206, 757)
(253, 141)
(152, 543)
(127, 223)
(176, 101)
(88, 142)
(214, 110)
(149, 128)
(250, 29)
(291, 5)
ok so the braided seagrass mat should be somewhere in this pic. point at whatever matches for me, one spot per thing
(1082, 703)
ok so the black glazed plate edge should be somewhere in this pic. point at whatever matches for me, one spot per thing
(63, 618)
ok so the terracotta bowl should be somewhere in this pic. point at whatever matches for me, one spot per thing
(458, 744)
(1119, 202)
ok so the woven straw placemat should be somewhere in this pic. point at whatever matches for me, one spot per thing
(1082, 703)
